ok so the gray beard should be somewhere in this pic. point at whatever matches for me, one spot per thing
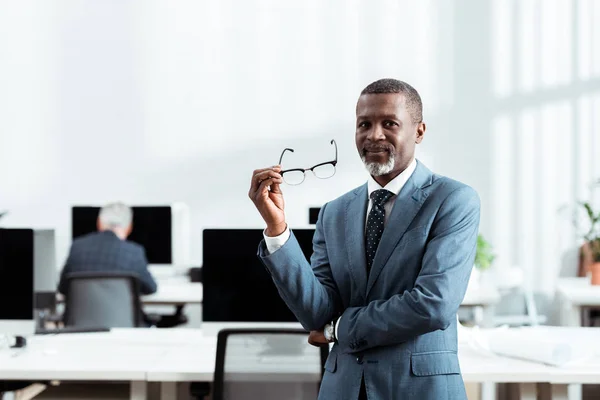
(378, 169)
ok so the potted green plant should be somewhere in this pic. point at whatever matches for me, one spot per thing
(591, 249)
(483, 260)
(484, 257)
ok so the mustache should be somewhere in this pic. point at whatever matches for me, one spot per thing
(371, 147)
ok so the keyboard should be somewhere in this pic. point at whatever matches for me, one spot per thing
(70, 329)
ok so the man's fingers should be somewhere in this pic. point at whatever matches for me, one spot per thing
(275, 168)
(275, 186)
(268, 182)
(317, 344)
(316, 338)
(312, 341)
(259, 177)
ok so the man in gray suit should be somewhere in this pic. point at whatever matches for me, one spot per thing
(108, 250)
(390, 265)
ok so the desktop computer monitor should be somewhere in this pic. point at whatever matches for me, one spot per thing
(161, 230)
(237, 288)
(16, 282)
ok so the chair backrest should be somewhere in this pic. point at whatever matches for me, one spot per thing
(267, 364)
(102, 300)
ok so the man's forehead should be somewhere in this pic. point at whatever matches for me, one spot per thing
(372, 104)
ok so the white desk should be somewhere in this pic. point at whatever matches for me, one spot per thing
(526, 379)
(175, 291)
(560, 382)
(83, 357)
(120, 355)
(182, 355)
(575, 294)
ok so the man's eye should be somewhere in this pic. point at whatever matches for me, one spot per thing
(363, 124)
(389, 124)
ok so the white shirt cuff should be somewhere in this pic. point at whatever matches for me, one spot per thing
(337, 323)
(274, 243)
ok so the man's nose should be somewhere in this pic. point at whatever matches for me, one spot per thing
(376, 133)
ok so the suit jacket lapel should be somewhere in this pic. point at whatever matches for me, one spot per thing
(407, 205)
(356, 214)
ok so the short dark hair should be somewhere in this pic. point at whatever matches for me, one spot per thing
(411, 96)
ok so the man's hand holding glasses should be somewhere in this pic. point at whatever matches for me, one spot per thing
(265, 191)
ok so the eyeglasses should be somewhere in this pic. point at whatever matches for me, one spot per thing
(295, 176)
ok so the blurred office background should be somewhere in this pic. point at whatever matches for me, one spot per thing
(155, 102)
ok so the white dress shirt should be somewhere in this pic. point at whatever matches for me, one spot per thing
(274, 243)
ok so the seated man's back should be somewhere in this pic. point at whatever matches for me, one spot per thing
(108, 250)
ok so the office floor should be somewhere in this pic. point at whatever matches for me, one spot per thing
(118, 391)
(81, 391)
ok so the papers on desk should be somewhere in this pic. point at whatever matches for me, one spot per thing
(545, 345)
(522, 344)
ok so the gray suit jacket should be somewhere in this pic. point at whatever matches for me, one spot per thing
(398, 325)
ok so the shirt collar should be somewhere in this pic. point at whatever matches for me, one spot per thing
(396, 184)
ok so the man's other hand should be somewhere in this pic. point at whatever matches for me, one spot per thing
(267, 197)
(317, 338)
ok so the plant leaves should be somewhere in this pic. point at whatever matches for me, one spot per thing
(483, 256)
(589, 210)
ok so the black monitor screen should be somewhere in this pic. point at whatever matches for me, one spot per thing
(236, 285)
(16, 274)
(151, 229)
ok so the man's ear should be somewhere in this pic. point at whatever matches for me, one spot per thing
(128, 230)
(421, 128)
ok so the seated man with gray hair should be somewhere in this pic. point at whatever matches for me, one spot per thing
(108, 250)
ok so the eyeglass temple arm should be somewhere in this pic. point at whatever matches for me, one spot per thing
(335, 144)
(283, 152)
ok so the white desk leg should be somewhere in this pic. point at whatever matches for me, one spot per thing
(574, 391)
(168, 390)
(138, 390)
(570, 314)
(488, 391)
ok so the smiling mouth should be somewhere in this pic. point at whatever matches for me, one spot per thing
(375, 151)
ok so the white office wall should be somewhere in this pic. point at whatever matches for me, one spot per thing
(151, 102)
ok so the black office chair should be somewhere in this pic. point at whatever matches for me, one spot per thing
(283, 355)
(103, 300)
